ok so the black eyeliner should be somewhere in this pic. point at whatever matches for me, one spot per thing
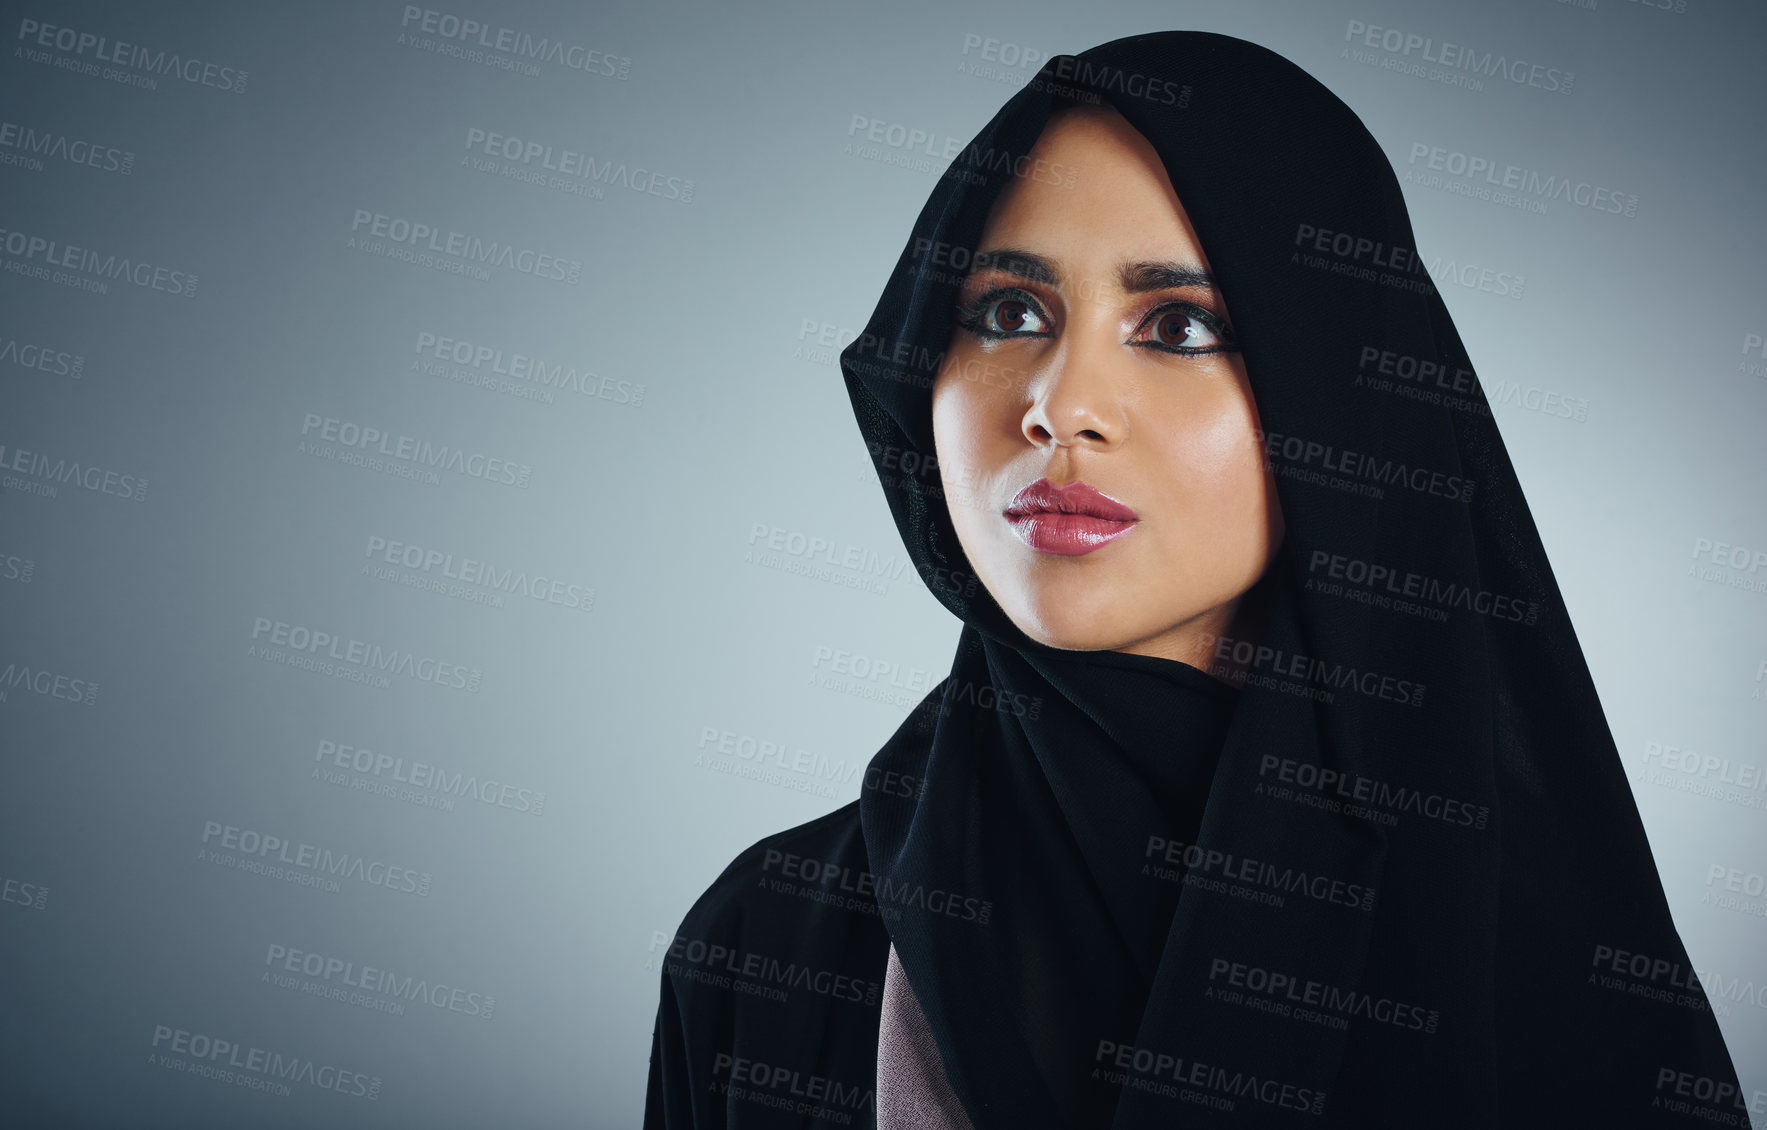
(970, 314)
(1209, 318)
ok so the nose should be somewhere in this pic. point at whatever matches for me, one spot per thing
(1077, 398)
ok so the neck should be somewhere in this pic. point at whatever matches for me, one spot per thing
(1208, 641)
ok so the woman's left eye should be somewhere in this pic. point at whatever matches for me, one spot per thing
(1186, 329)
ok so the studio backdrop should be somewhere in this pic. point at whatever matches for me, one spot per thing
(434, 539)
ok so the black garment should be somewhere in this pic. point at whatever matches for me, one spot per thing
(1374, 891)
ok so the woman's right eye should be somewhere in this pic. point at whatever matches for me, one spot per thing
(1007, 313)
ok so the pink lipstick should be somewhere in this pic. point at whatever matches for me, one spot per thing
(1069, 520)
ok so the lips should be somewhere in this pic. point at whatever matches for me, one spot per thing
(1069, 521)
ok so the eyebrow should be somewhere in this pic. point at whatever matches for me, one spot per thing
(1136, 278)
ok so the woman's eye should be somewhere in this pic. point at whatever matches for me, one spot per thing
(1186, 330)
(1007, 315)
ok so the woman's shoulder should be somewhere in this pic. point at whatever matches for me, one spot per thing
(773, 983)
(786, 882)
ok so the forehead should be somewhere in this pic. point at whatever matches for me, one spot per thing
(1092, 188)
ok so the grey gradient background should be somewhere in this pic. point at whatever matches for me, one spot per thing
(1639, 322)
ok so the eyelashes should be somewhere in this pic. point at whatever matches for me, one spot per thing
(1182, 328)
(983, 316)
(1199, 331)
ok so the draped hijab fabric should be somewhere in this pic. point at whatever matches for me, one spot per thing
(1367, 886)
(1039, 810)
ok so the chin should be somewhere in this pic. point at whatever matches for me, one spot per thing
(1091, 622)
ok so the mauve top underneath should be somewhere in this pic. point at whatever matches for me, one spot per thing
(912, 1093)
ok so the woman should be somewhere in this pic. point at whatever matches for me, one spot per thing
(1269, 785)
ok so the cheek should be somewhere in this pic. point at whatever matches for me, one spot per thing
(973, 432)
(951, 414)
(1224, 436)
(1215, 467)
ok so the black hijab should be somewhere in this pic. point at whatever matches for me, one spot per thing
(1382, 884)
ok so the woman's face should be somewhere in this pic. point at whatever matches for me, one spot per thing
(1094, 297)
